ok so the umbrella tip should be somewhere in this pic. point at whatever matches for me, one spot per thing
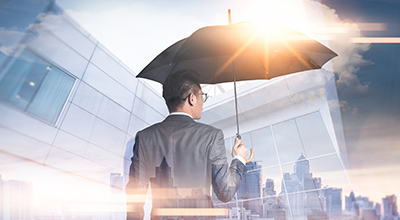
(229, 16)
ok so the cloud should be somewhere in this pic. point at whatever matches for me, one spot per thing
(346, 108)
(9, 38)
(323, 24)
(350, 57)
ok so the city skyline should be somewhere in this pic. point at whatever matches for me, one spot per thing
(318, 188)
(301, 169)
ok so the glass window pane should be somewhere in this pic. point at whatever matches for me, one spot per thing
(136, 124)
(61, 26)
(25, 124)
(263, 144)
(23, 79)
(142, 110)
(60, 53)
(52, 95)
(314, 135)
(35, 86)
(114, 114)
(331, 170)
(108, 137)
(103, 83)
(287, 141)
(88, 98)
(78, 122)
(113, 69)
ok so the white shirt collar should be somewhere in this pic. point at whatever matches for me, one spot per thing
(180, 113)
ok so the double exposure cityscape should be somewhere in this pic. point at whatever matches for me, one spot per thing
(302, 197)
(325, 140)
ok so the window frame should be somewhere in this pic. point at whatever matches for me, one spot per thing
(9, 63)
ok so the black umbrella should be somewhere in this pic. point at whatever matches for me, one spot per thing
(237, 52)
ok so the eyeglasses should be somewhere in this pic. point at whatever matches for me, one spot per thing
(204, 96)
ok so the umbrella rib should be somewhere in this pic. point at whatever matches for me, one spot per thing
(176, 63)
(215, 68)
(316, 66)
(238, 52)
(182, 51)
(297, 55)
(262, 64)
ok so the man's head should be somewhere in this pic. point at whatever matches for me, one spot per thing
(182, 90)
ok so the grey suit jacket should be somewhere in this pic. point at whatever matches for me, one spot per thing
(182, 159)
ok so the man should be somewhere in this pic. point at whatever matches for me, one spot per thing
(182, 158)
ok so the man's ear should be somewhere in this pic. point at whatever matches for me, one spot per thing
(191, 99)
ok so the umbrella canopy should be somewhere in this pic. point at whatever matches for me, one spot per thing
(241, 51)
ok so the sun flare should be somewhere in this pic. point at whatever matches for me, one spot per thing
(287, 13)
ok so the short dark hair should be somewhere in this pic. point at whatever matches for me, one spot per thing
(178, 86)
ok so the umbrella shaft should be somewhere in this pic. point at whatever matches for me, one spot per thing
(237, 117)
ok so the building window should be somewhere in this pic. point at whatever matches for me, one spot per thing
(35, 86)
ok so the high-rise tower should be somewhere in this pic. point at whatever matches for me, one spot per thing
(390, 206)
(302, 167)
(251, 188)
(162, 186)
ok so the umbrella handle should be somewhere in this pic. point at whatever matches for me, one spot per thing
(251, 155)
(251, 150)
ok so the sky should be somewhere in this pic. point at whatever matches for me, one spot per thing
(367, 74)
(371, 116)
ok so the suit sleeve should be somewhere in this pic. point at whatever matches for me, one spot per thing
(135, 193)
(226, 179)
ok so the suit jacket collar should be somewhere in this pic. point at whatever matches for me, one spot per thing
(180, 113)
(180, 118)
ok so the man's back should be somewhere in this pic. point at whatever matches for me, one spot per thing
(188, 148)
(181, 159)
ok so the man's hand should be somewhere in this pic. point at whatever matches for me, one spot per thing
(239, 149)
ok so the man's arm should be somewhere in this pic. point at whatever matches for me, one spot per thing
(226, 179)
(135, 194)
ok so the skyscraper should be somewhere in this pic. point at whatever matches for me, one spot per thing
(301, 192)
(269, 188)
(349, 202)
(269, 193)
(378, 209)
(250, 189)
(302, 167)
(162, 186)
(333, 202)
(390, 207)
(16, 200)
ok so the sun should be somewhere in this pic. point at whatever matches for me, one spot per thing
(287, 13)
(305, 16)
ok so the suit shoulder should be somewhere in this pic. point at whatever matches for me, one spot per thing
(149, 129)
(207, 127)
